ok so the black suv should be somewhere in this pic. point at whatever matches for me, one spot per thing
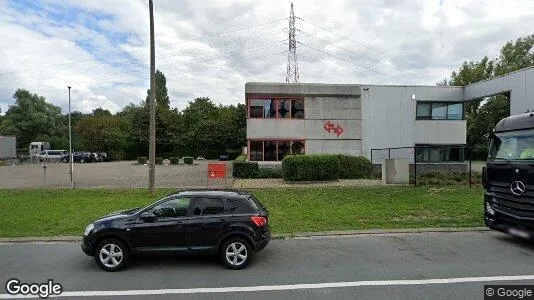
(226, 222)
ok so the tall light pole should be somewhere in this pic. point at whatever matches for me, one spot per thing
(152, 144)
(70, 147)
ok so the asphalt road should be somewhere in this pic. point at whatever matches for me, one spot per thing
(363, 267)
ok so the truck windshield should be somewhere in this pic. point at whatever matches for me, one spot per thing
(515, 145)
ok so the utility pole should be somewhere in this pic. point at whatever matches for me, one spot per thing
(152, 145)
(292, 75)
(71, 167)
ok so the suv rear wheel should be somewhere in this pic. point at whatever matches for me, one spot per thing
(235, 253)
(112, 255)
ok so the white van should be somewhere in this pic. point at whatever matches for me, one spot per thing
(53, 155)
(38, 147)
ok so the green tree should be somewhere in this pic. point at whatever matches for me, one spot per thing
(31, 118)
(483, 114)
(101, 133)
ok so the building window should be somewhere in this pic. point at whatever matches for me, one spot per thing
(441, 153)
(279, 108)
(274, 150)
(256, 150)
(439, 111)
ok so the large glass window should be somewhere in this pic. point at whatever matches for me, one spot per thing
(280, 108)
(256, 150)
(272, 150)
(173, 208)
(208, 206)
(513, 145)
(441, 153)
(439, 111)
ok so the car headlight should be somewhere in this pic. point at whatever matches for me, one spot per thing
(88, 229)
(489, 209)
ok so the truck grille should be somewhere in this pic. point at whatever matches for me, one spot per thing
(505, 201)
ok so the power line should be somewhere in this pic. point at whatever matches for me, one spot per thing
(348, 61)
(359, 55)
(346, 38)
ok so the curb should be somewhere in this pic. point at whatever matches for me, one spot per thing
(279, 236)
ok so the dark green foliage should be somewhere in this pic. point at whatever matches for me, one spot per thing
(245, 169)
(142, 160)
(442, 178)
(354, 167)
(159, 160)
(313, 167)
(174, 160)
(270, 173)
(188, 160)
(241, 157)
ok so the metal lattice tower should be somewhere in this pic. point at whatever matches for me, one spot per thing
(292, 75)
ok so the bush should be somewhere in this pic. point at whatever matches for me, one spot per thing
(142, 160)
(188, 160)
(245, 169)
(315, 167)
(241, 157)
(174, 160)
(354, 167)
(159, 160)
(270, 173)
(442, 178)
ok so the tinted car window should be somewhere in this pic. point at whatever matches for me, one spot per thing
(208, 206)
(239, 206)
(176, 207)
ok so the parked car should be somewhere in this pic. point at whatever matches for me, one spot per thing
(52, 155)
(97, 157)
(223, 157)
(226, 222)
(82, 156)
(105, 156)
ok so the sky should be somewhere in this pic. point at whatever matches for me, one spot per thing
(212, 48)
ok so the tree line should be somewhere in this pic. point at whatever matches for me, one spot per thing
(483, 114)
(205, 129)
(201, 129)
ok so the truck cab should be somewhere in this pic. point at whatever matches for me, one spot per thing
(38, 147)
(508, 177)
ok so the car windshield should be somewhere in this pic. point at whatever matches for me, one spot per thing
(517, 145)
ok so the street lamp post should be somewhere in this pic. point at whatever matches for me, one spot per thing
(70, 148)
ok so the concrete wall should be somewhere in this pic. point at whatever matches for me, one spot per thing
(337, 104)
(440, 132)
(389, 116)
(519, 83)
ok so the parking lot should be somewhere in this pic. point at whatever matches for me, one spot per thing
(119, 174)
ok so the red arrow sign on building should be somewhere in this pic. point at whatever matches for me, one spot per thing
(329, 127)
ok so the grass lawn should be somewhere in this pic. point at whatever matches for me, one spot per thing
(66, 212)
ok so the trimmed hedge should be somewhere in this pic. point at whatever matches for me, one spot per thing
(188, 160)
(354, 167)
(159, 160)
(243, 169)
(315, 167)
(174, 160)
(270, 173)
(142, 160)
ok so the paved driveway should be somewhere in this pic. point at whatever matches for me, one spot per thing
(121, 174)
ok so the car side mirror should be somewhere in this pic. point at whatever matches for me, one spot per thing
(147, 216)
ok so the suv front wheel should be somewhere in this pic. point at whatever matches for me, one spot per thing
(235, 253)
(112, 255)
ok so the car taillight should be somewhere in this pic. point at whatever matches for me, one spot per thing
(259, 221)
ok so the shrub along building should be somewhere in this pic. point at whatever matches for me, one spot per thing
(353, 119)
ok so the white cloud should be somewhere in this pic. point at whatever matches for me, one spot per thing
(211, 48)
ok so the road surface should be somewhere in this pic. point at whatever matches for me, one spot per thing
(388, 266)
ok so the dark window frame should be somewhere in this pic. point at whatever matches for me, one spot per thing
(431, 103)
(277, 147)
(277, 100)
(425, 150)
(197, 198)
